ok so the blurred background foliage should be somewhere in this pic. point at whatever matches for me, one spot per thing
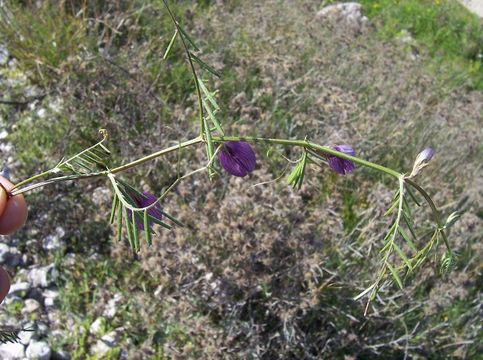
(259, 271)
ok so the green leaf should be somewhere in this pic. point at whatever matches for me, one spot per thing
(170, 45)
(204, 65)
(147, 230)
(407, 239)
(395, 275)
(448, 261)
(390, 232)
(87, 161)
(159, 222)
(187, 37)
(316, 155)
(403, 257)
(296, 177)
(213, 119)
(394, 205)
(210, 149)
(93, 158)
(119, 222)
(361, 294)
(135, 231)
(411, 228)
(413, 197)
(173, 219)
(128, 223)
(208, 95)
(115, 202)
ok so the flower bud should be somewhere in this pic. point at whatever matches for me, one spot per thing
(422, 161)
(425, 155)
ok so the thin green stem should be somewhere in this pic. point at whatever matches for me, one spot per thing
(142, 160)
(30, 179)
(385, 263)
(18, 190)
(219, 139)
(437, 215)
(192, 67)
(310, 145)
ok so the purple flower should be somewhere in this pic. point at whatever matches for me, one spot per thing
(339, 165)
(237, 158)
(143, 201)
(422, 160)
(425, 155)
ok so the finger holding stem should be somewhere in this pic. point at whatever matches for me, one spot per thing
(13, 209)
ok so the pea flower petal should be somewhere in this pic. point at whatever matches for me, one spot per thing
(425, 155)
(237, 158)
(143, 201)
(342, 166)
(422, 160)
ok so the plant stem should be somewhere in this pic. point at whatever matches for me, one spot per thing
(435, 211)
(219, 139)
(310, 145)
(30, 179)
(137, 162)
(192, 68)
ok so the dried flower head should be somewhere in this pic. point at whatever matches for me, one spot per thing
(342, 166)
(237, 158)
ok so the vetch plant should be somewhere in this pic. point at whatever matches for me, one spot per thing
(339, 165)
(135, 213)
(237, 158)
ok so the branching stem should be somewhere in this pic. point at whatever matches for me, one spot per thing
(436, 214)
(217, 139)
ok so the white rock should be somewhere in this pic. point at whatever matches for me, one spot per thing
(4, 55)
(3, 132)
(97, 326)
(345, 9)
(106, 343)
(12, 351)
(405, 37)
(42, 328)
(9, 256)
(346, 15)
(51, 242)
(43, 276)
(31, 91)
(30, 306)
(54, 318)
(11, 299)
(6, 148)
(61, 355)
(41, 113)
(54, 241)
(19, 289)
(70, 259)
(26, 337)
(38, 350)
(111, 307)
(56, 105)
(49, 297)
(57, 335)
